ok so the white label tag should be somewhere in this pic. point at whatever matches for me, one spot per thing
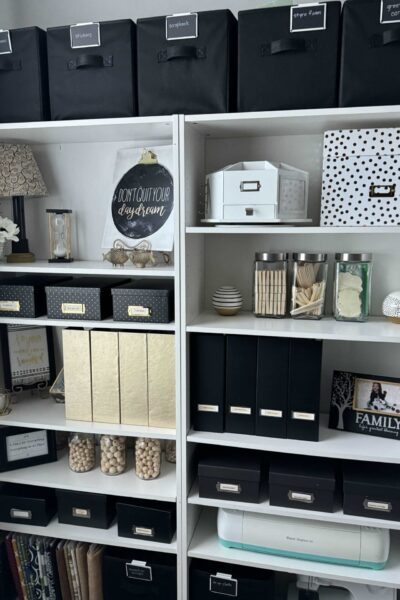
(139, 570)
(240, 410)
(303, 416)
(10, 305)
(231, 488)
(143, 531)
(307, 17)
(85, 35)
(301, 497)
(26, 445)
(211, 408)
(70, 308)
(182, 26)
(5, 42)
(139, 311)
(16, 513)
(266, 412)
(390, 11)
(223, 585)
(382, 506)
(83, 513)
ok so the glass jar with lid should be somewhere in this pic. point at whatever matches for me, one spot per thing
(352, 289)
(148, 458)
(310, 272)
(113, 454)
(81, 452)
(270, 284)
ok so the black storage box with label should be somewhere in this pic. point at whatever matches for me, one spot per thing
(144, 301)
(370, 53)
(26, 504)
(207, 381)
(272, 386)
(92, 70)
(304, 389)
(209, 580)
(230, 476)
(303, 482)
(85, 509)
(25, 296)
(187, 63)
(280, 69)
(371, 490)
(24, 88)
(241, 375)
(129, 574)
(21, 447)
(85, 298)
(151, 521)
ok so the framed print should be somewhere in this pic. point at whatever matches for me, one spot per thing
(365, 404)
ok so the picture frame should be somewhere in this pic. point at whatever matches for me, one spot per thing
(365, 404)
(27, 354)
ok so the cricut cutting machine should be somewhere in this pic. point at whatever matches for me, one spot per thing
(310, 588)
(326, 542)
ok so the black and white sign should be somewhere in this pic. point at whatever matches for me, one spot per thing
(224, 585)
(5, 42)
(307, 17)
(85, 35)
(139, 570)
(182, 27)
(390, 11)
(26, 445)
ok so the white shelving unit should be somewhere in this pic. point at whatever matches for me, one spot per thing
(85, 267)
(105, 324)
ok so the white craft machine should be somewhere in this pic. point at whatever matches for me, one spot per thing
(343, 544)
(308, 588)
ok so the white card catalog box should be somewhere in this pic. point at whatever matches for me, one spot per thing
(257, 192)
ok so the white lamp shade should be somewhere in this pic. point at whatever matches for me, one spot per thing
(19, 172)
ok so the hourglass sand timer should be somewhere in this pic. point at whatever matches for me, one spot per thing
(60, 235)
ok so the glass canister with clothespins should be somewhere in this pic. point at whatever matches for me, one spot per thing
(310, 273)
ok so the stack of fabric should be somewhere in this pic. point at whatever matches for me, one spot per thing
(41, 568)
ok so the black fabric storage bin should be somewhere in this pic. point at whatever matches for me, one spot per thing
(93, 82)
(86, 298)
(280, 70)
(241, 375)
(188, 76)
(303, 482)
(21, 447)
(244, 583)
(145, 520)
(371, 490)
(25, 296)
(85, 509)
(370, 56)
(125, 579)
(26, 504)
(207, 381)
(230, 476)
(24, 88)
(144, 301)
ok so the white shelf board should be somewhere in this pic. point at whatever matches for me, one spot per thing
(285, 230)
(293, 122)
(107, 537)
(86, 267)
(205, 545)
(104, 324)
(332, 444)
(89, 130)
(37, 413)
(377, 329)
(264, 507)
(58, 475)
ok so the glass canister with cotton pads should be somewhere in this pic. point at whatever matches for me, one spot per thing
(352, 289)
(310, 273)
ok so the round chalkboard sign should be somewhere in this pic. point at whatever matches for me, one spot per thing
(143, 200)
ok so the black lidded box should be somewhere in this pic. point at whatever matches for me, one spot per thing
(303, 482)
(131, 574)
(210, 580)
(21, 447)
(24, 89)
(369, 74)
(371, 490)
(187, 63)
(144, 301)
(85, 298)
(230, 476)
(280, 69)
(304, 389)
(27, 504)
(241, 376)
(85, 509)
(92, 70)
(145, 520)
(272, 386)
(25, 296)
(207, 381)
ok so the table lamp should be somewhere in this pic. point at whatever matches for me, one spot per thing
(20, 177)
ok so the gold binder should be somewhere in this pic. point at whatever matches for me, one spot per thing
(77, 374)
(161, 380)
(105, 376)
(133, 378)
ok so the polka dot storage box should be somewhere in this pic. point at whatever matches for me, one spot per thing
(144, 301)
(361, 178)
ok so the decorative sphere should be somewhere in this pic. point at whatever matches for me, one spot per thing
(391, 307)
(227, 301)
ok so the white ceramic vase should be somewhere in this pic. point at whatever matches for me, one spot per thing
(227, 301)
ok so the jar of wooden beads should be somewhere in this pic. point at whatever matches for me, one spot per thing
(270, 284)
(113, 454)
(310, 272)
(82, 452)
(148, 458)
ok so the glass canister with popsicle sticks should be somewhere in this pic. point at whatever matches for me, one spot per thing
(310, 273)
(270, 284)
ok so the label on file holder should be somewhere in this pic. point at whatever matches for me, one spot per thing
(303, 416)
(240, 410)
(85, 35)
(211, 408)
(224, 585)
(182, 26)
(268, 412)
(138, 570)
(5, 42)
(390, 11)
(308, 17)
